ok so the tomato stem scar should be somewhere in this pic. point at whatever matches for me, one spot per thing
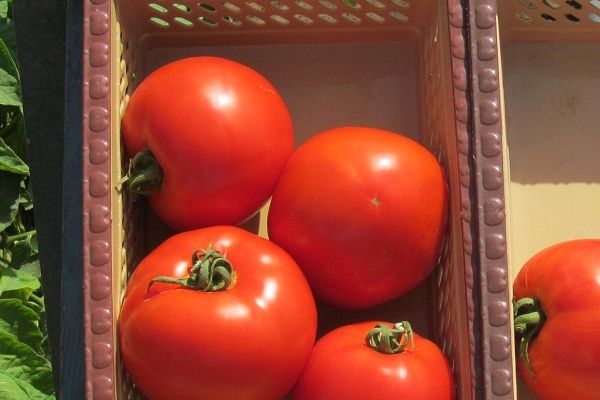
(391, 340)
(145, 174)
(211, 272)
(529, 318)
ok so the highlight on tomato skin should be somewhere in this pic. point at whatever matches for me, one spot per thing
(216, 313)
(557, 321)
(375, 360)
(364, 213)
(208, 138)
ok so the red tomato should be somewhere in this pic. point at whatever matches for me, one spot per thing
(557, 317)
(363, 212)
(221, 135)
(247, 342)
(343, 366)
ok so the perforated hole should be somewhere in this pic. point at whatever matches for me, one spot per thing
(232, 7)
(327, 4)
(401, 3)
(184, 22)
(207, 7)
(352, 4)
(232, 20)
(158, 8)
(376, 3)
(280, 20)
(159, 22)
(528, 3)
(208, 21)
(304, 19)
(595, 3)
(256, 20)
(572, 18)
(524, 17)
(351, 17)
(375, 17)
(255, 6)
(399, 16)
(575, 4)
(548, 17)
(552, 4)
(279, 5)
(182, 7)
(327, 18)
(594, 18)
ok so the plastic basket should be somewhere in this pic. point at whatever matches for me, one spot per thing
(391, 64)
(535, 95)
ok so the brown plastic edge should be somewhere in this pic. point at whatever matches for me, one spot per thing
(458, 52)
(96, 192)
(496, 356)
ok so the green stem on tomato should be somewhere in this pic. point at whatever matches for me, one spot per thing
(145, 174)
(391, 340)
(210, 272)
(529, 318)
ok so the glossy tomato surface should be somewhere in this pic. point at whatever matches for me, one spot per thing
(221, 134)
(363, 212)
(342, 366)
(248, 342)
(565, 354)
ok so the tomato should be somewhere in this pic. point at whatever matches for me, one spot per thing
(246, 337)
(363, 212)
(213, 137)
(344, 365)
(557, 318)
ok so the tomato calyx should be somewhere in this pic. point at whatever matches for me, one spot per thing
(391, 340)
(529, 318)
(210, 272)
(145, 174)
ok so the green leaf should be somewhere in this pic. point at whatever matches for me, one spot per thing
(7, 28)
(12, 130)
(7, 62)
(32, 267)
(10, 93)
(22, 322)
(14, 279)
(11, 389)
(10, 161)
(4, 7)
(10, 188)
(20, 254)
(27, 368)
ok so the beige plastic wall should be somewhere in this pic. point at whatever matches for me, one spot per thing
(551, 81)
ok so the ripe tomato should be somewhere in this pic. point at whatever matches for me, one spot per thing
(363, 212)
(215, 135)
(248, 341)
(557, 317)
(344, 365)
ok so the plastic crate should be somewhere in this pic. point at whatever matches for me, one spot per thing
(392, 64)
(536, 142)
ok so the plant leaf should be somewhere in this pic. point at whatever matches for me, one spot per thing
(9, 90)
(11, 389)
(32, 267)
(22, 322)
(24, 365)
(10, 161)
(23, 250)
(7, 62)
(10, 188)
(14, 279)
